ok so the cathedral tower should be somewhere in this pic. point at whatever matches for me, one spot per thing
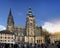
(10, 22)
(30, 23)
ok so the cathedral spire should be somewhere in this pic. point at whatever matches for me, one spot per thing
(10, 22)
(29, 12)
(10, 13)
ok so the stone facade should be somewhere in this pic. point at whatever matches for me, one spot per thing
(39, 40)
(33, 32)
(30, 26)
(35, 40)
(28, 34)
(10, 22)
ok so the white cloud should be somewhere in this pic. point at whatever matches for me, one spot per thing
(2, 27)
(52, 26)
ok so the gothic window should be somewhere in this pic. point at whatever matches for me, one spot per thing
(37, 41)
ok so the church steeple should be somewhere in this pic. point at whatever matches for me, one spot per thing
(10, 13)
(10, 22)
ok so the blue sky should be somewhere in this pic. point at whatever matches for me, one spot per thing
(43, 10)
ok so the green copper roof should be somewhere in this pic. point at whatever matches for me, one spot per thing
(29, 12)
